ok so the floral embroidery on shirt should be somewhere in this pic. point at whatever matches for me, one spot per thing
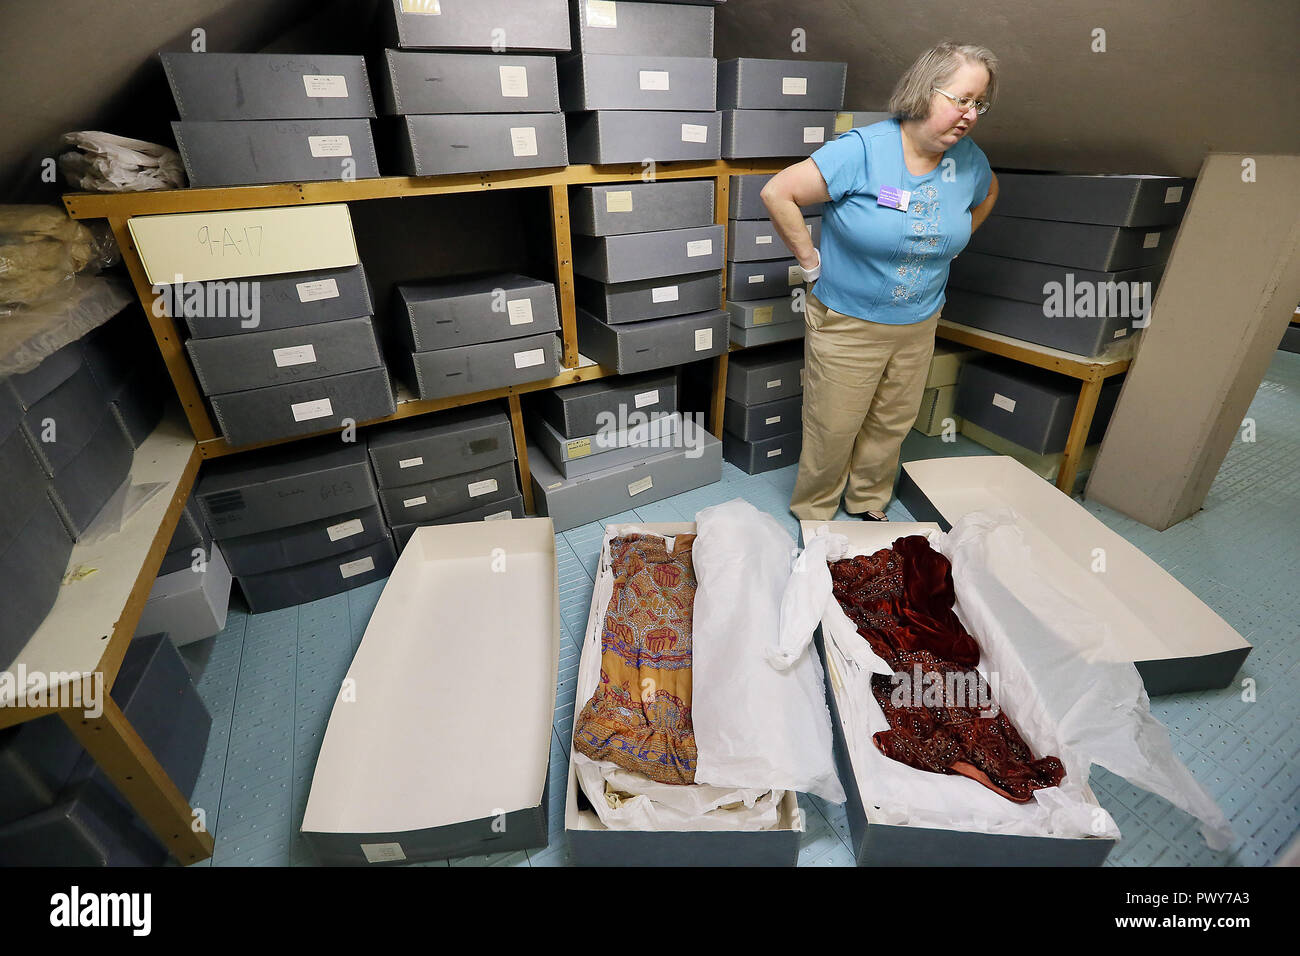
(924, 228)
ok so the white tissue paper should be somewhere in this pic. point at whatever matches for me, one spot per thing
(103, 162)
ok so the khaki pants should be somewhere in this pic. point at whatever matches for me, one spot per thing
(863, 383)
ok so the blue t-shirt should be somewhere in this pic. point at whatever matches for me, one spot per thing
(879, 263)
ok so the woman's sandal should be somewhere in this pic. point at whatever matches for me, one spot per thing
(872, 516)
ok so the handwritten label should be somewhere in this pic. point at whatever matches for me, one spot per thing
(294, 355)
(700, 247)
(530, 358)
(794, 86)
(755, 280)
(644, 484)
(523, 140)
(359, 566)
(415, 502)
(814, 134)
(774, 452)
(1174, 194)
(326, 85)
(345, 529)
(775, 383)
(654, 79)
(602, 14)
(578, 448)
(642, 399)
(514, 80)
(703, 339)
(321, 146)
(763, 315)
(618, 200)
(694, 134)
(762, 240)
(306, 411)
(1004, 403)
(774, 420)
(479, 488)
(389, 852)
(411, 462)
(843, 122)
(500, 516)
(520, 311)
(317, 289)
(1151, 240)
(667, 293)
(795, 275)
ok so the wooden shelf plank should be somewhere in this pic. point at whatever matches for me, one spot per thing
(1041, 356)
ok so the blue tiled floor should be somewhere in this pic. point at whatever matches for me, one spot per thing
(1241, 555)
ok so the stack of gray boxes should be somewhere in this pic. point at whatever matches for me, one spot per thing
(297, 523)
(763, 423)
(452, 467)
(125, 360)
(471, 112)
(764, 281)
(778, 108)
(462, 336)
(306, 362)
(642, 85)
(249, 118)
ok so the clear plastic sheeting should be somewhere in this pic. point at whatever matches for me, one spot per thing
(42, 251)
(29, 335)
(119, 509)
(103, 162)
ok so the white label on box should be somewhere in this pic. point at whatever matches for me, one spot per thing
(514, 80)
(306, 411)
(1120, 333)
(319, 289)
(795, 276)
(775, 383)
(654, 79)
(523, 140)
(410, 462)
(294, 355)
(814, 134)
(530, 358)
(359, 566)
(414, 502)
(345, 529)
(640, 485)
(602, 14)
(694, 134)
(762, 240)
(794, 86)
(618, 200)
(703, 339)
(774, 420)
(500, 516)
(484, 487)
(520, 311)
(329, 146)
(665, 293)
(1151, 240)
(325, 85)
(643, 399)
(1004, 403)
(387, 852)
(700, 247)
(774, 452)
(755, 280)
(1174, 194)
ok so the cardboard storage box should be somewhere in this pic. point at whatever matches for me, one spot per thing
(648, 255)
(765, 454)
(755, 134)
(137, 407)
(118, 349)
(440, 144)
(304, 543)
(182, 558)
(634, 136)
(747, 281)
(753, 336)
(938, 405)
(1111, 200)
(657, 343)
(757, 313)
(438, 497)
(766, 420)
(274, 590)
(440, 315)
(190, 528)
(36, 760)
(847, 119)
(302, 408)
(33, 564)
(749, 83)
(60, 423)
(603, 82)
(268, 86)
(448, 615)
(750, 240)
(1029, 406)
(641, 207)
(488, 365)
(504, 510)
(24, 483)
(745, 198)
(422, 82)
(189, 605)
(281, 302)
(575, 457)
(281, 487)
(1031, 281)
(478, 24)
(571, 502)
(275, 151)
(764, 375)
(1082, 245)
(447, 443)
(642, 29)
(1081, 335)
(83, 485)
(577, 410)
(27, 388)
(232, 363)
(1177, 643)
(657, 298)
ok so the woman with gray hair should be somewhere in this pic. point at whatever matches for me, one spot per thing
(902, 198)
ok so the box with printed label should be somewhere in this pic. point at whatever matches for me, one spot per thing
(275, 151)
(602, 137)
(32, 564)
(422, 82)
(615, 302)
(271, 302)
(764, 454)
(1082, 245)
(604, 82)
(268, 86)
(766, 374)
(758, 335)
(577, 410)
(641, 207)
(766, 420)
(656, 343)
(232, 363)
(751, 240)
(444, 143)
(1031, 407)
(847, 119)
(477, 24)
(505, 510)
(756, 134)
(488, 365)
(303, 543)
(642, 29)
(754, 84)
(440, 315)
(435, 446)
(757, 313)
(190, 604)
(574, 457)
(1038, 282)
(747, 281)
(745, 198)
(302, 408)
(59, 424)
(1087, 335)
(437, 497)
(1141, 201)
(318, 579)
(85, 483)
(648, 255)
(572, 502)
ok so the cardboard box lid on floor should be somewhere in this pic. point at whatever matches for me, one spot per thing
(449, 757)
(1174, 639)
(591, 843)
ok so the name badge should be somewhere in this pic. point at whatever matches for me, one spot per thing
(892, 197)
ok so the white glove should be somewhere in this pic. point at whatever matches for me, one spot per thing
(813, 274)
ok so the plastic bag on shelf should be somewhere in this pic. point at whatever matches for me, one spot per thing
(29, 335)
(103, 162)
(42, 250)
